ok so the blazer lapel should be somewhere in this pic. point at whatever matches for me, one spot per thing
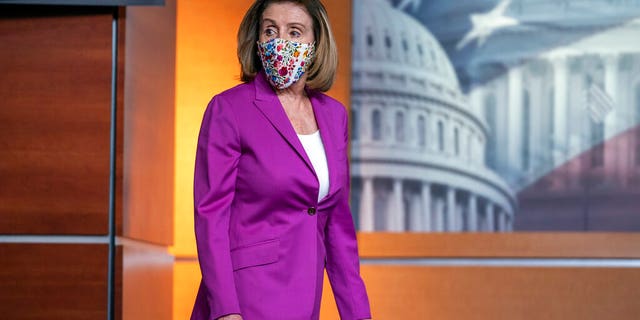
(327, 128)
(268, 103)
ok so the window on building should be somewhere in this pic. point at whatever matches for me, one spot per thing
(525, 148)
(376, 123)
(354, 125)
(434, 60)
(405, 47)
(422, 131)
(456, 141)
(491, 118)
(440, 135)
(388, 45)
(370, 42)
(400, 126)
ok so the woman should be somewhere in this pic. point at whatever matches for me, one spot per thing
(272, 177)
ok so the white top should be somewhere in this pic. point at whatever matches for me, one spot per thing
(314, 148)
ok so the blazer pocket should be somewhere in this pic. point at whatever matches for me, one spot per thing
(261, 253)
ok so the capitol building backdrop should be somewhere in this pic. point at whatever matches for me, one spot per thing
(549, 143)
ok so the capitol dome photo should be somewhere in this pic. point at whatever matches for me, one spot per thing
(417, 147)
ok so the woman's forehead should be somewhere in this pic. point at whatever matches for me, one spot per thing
(286, 13)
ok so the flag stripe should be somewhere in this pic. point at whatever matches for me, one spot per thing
(604, 97)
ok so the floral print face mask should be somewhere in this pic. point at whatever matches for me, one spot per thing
(285, 61)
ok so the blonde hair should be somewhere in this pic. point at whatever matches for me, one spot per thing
(321, 72)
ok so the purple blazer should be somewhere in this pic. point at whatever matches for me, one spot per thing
(263, 238)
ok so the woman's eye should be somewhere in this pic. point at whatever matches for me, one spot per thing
(295, 34)
(269, 32)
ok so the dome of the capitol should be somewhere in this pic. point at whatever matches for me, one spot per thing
(418, 150)
(402, 50)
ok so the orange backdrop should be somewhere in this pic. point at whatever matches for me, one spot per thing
(206, 64)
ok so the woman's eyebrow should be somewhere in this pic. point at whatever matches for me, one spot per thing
(267, 20)
(297, 25)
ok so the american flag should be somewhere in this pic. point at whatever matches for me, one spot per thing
(486, 39)
(597, 102)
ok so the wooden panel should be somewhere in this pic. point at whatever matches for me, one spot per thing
(520, 244)
(147, 281)
(118, 284)
(54, 121)
(149, 104)
(53, 281)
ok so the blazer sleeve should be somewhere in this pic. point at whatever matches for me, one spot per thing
(343, 264)
(216, 166)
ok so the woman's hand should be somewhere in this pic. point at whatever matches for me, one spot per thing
(231, 317)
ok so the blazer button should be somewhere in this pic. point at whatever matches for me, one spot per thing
(311, 211)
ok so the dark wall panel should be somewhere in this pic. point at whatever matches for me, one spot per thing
(55, 85)
(55, 141)
(149, 97)
(146, 274)
(53, 281)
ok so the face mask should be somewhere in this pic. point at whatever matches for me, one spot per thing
(285, 61)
